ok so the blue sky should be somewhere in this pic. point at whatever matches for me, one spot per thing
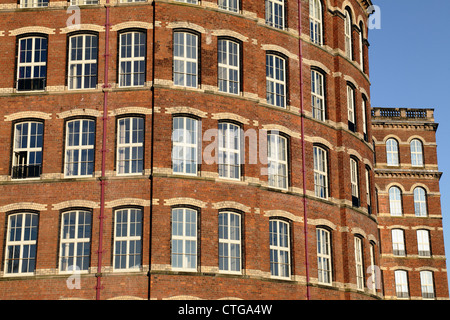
(410, 67)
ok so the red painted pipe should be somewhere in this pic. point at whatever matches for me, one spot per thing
(302, 116)
(102, 181)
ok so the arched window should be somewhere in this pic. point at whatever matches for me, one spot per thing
(318, 95)
(27, 150)
(276, 80)
(420, 202)
(320, 172)
(229, 150)
(354, 180)
(31, 63)
(315, 21)
(83, 64)
(185, 59)
(395, 201)
(348, 35)
(230, 258)
(229, 66)
(184, 239)
(280, 249)
(398, 242)
(426, 284)
(277, 158)
(423, 243)
(392, 152)
(401, 284)
(416, 153)
(361, 45)
(128, 239)
(75, 241)
(132, 59)
(80, 144)
(21, 243)
(130, 145)
(359, 258)
(324, 265)
(185, 145)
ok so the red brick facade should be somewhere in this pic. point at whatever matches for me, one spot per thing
(156, 191)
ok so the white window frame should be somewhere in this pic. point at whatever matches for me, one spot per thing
(392, 156)
(33, 65)
(272, 19)
(135, 145)
(318, 95)
(83, 62)
(276, 85)
(277, 158)
(134, 59)
(320, 172)
(373, 271)
(185, 59)
(131, 235)
(395, 201)
(280, 248)
(23, 242)
(351, 113)
(229, 66)
(187, 237)
(316, 22)
(229, 150)
(229, 5)
(185, 142)
(230, 255)
(420, 202)
(77, 240)
(33, 3)
(80, 147)
(423, 243)
(401, 284)
(324, 265)
(17, 161)
(398, 242)
(426, 285)
(348, 35)
(368, 193)
(416, 148)
(359, 263)
(188, 1)
(364, 119)
(83, 2)
(354, 178)
(361, 48)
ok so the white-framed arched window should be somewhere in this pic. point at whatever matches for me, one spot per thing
(420, 202)
(348, 35)
(401, 284)
(230, 256)
(426, 284)
(316, 21)
(324, 265)
(280, 249)
(395, 201)
(416, 153)
(392, 152)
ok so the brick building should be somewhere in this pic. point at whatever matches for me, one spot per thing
(203, 149)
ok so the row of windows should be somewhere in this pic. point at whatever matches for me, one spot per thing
(402, 285)
(82, 69)
(75, 244)
(416, 151)
(396, 203)
(275, 16)
(423, 243)
(186, 153)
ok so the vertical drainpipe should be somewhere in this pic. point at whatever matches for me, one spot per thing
(102, 178)
(151, 155)
(302, 116)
